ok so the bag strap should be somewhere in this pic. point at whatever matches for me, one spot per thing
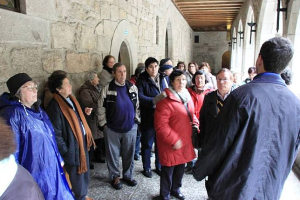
(186, 107)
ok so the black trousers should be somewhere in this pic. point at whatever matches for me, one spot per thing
(170, 180)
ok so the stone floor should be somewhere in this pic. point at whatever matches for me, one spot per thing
(148, 188)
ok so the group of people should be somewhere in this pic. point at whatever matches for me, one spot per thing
(248, 136)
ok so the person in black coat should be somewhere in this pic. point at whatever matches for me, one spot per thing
(256, 138)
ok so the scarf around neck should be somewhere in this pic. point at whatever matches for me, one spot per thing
(108, 69)
(73, 121)
(184, 95)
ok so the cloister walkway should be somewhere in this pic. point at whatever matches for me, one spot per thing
(148, 188)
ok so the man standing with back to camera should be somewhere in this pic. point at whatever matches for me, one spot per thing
(257, 136)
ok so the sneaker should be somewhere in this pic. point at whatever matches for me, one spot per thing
(130, 182)
(147, 173)
(116, 183)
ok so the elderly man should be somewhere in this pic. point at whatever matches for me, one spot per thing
(118, 113)
(150, 84)
(257, 134)
(214, 102)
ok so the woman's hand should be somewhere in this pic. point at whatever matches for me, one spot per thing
(88, 111)
(177, 145)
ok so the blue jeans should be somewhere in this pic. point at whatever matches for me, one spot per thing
(147, 139)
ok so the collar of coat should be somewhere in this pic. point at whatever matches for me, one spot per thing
(268, 77)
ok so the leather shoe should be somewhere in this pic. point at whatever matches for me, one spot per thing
(178, 195)
(115, 183)
(147, 173)
(136, 157)
(158, 171)
(130, 182)
(92, 166)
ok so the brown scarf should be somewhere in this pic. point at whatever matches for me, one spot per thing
(71, 117)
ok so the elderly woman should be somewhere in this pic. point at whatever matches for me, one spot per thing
(89, 94)
(174, 134)
(73, 135)
(35, 138)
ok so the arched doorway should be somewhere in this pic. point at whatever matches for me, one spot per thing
(124, 58)
(233, 50)
(249, 57)
(226, 60)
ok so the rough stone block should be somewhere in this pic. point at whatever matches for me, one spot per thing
(131, 18)
(4, 71)
(22, 28)
(105, 10)
(77, 11)
(26, 60)
(52, 60)
(122, 14)
(77, 62)
(134, 12)
(62, 35)
(104, 43)
(41, 8)
(88, 39)
(114, 10)
(96, 62)
(109, 27)
(99, 29)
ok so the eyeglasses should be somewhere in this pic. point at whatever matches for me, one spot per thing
(224, 80)
(31, 87)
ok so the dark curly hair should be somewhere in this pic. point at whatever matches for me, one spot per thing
(55, 80)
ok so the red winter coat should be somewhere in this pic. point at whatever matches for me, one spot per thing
(197, 99)
(171, 122)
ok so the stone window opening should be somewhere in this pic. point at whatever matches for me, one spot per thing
(13, 5)
(196, 39)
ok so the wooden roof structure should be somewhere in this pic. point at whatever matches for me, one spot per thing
(209, 15)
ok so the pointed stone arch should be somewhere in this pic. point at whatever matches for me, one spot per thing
(168, 39)
(123, 33)
(249, 49)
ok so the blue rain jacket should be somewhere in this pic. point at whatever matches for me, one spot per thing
(36, 147)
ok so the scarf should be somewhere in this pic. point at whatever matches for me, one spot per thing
(108, 69)
(184, 95)
(72, 119)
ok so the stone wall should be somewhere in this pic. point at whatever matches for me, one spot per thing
(211, 47)
(75, 35)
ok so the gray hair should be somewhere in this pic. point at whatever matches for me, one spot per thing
(90, 75)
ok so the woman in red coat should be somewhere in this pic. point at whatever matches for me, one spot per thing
(173, 131)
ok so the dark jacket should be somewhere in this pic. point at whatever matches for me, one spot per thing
(66, 141)
(107, 101)
(208, 115)
(88, 96)
(147, 92)
(256, 142)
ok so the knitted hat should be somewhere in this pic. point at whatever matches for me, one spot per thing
(163, 61)
(149, 61)
(165, 67)
(16, 81)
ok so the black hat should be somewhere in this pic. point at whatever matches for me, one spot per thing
(163, 61)
(16, 81)
(149, 61)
